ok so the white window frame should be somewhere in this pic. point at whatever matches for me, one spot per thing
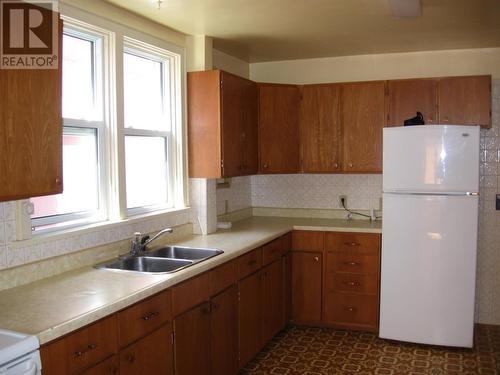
(141, 49)
(100, 38)
(112, 132)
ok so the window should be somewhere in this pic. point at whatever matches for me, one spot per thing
(148, 123)
(120, 157)
(82, 199)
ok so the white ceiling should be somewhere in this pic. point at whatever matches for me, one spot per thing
(268, 30)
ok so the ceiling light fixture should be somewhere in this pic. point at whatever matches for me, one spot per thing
(406, 8)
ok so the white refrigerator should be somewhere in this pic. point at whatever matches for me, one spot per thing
(429, 234)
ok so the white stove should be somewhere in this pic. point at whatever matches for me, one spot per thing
(19, 354)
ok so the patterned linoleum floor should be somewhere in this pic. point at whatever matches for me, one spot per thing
(319, 351)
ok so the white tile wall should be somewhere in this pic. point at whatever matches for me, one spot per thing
(237, 197)
(316, 191)
(15, 253)
(202, 199)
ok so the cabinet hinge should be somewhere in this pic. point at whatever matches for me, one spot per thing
(173, 337)
(239, 296)
(221, 84)
(222, 164)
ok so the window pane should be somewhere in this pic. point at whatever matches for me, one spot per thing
(78, 78)
(80, 168)
(146, 171)
(143, 91)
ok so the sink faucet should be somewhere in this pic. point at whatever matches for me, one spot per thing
(139, 242)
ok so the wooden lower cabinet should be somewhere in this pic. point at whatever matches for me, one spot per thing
(351, 280)
(287, 286)
(306, 287)
(250, 317)
(224, 332)
(150, 355)
(192, 341)
(272, 300)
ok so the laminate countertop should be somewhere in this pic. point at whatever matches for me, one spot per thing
(55, 306)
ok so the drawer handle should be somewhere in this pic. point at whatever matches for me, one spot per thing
(80, 353)
(351, 308)
(353, 243)
(353, 283)
(316, 259)
(130, 358)
(150, 315)
(352, 264)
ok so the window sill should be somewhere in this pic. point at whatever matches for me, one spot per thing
(64, 233)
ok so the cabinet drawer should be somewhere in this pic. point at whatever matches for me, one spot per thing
(109, 367)
(144, 317)
(81, 349)
(305, 240)
(359, 243)
(351, 309)
(249, 263)
(190, 293)
(351, 282)
(222, 277)
(352, 263)
(272, 251)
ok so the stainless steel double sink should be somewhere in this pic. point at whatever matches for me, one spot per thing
(163, 260)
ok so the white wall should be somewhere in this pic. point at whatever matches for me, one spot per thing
(383, 66)
(230, 64)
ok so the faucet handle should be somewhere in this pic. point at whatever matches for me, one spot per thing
(144, 239)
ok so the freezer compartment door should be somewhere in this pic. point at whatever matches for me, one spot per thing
(436, 158)
(428, 269)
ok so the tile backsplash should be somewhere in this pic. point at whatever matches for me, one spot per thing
(317, 191)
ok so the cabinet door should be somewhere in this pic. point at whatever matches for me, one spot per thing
(31, 131)
(272, 300)
(319, 125)
(279, 128)
(409, 96)
(224, 332)
(192, 340)
(465, 100)
(151, 355)
(250, 128)
(306, 287)
(362, 119)
(287, 286)
(232, 104)
(250, 317)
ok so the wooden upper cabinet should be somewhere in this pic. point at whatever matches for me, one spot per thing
(222, 125)
(465, 100)
(362, 117)
(31, 131)
(319, 128)
(409, 96)
(279, 128)
(250, 128)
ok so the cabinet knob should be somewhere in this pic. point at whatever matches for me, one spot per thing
(316, 259)
(349, 165)
(350, 308)
(58, 180)
(265, 166)
(336, 165)
(446, 119)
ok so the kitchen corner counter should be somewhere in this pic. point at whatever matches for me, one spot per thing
(53, 307)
